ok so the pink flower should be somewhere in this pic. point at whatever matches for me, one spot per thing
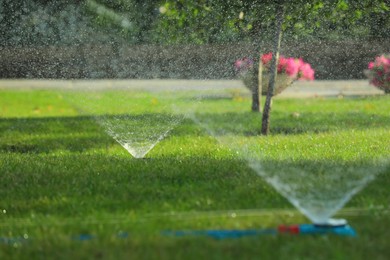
(238, 64)
(379, 72)
(282, 64)
(306, 71)
(382, 60)
(266, 58)
(292, 67)
(243, 64)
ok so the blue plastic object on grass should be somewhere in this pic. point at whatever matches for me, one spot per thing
(344, 230)
(222, 234)
(303, 229)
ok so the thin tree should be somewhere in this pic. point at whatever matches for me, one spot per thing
(257, 86)
(273, 69)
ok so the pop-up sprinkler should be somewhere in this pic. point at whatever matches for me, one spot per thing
(332, 226)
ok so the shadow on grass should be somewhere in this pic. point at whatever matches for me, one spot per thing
(36, 135)
(43, 135)
(249, 123)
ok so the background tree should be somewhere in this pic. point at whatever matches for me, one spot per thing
(10, 13)
(274, 66)
(194, 22)
(132, 19)
(339, 7)
(210, 21)
(40, 23)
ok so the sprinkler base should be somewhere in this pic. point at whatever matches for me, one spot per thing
(343, 230)
(302, 229)
(332, 222)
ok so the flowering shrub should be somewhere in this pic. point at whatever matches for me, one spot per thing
(379, 72)
(289, 70)
(243, 65)
(293, 67)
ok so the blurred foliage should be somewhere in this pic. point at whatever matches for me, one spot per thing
(45, 22)
(132, 19)
(208, 21)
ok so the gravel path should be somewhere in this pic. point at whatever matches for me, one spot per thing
(298, 89)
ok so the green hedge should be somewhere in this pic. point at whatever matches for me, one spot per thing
(331, 60)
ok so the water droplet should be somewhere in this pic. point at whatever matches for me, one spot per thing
(162, 10)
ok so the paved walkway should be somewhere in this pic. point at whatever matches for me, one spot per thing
(331, 88)
(298, 89)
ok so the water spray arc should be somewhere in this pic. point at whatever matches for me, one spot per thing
(119, 112)
(318, 180)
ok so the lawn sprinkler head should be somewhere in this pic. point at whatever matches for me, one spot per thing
(332, 222)
(331, 226)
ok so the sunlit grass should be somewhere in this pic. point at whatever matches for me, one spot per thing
(62, 176)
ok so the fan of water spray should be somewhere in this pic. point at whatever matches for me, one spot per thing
(317, 168)
(135, 118)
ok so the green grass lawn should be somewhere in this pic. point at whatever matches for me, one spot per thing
(62, 176)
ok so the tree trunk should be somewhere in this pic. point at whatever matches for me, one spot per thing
(257, 88)
(273, 69)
